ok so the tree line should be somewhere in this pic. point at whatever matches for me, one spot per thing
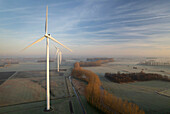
(95, 62)
(100, 98)
(98, 58)
(131, 77)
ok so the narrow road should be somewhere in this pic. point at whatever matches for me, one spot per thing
(12, 75)
(70, 102)
(78, 97)
(4, 76)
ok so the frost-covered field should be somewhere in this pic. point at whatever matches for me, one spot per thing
(30, 66)
(29, 86)
(152, 96)
(143, 94)
(129, 66)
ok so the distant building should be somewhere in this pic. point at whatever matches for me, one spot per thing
(154, 63)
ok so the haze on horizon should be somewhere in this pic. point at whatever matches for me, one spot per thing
(88, 27)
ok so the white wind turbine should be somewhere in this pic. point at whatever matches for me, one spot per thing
(59, 57)
(47, 36)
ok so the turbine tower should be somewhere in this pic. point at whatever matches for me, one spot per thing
(47, 36)
(59, 57)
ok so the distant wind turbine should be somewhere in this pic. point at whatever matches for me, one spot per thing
(47, 36)
(59, 58)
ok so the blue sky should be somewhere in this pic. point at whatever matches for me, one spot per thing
(88, 27)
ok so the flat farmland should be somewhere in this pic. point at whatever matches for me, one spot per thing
(30, 86)
(25, 92)
(144, 94)
(5, 75)
(128, 67)
(59, 106)
(151, 96)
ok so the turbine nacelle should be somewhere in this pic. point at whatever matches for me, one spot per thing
(47, 35)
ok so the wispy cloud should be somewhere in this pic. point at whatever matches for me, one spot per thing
(12, 10)
(120, 25)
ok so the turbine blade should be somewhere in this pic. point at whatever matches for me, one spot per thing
(34, 43)
(46, 21)
(59, 43)
(60, 57)
(57, 50)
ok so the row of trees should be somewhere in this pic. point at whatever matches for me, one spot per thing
(100, 98)
(95, 62)
(130, 77)
(98, 58)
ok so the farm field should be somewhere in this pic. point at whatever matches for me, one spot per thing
(60, 106)
(151, 96)
(4, 76)
(37, 107)
(30, 86)
(34, 66)
(144, 94)
(25, 92)
(128, 67)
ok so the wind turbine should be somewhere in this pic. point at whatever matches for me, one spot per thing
(59, 57)
(47, 36)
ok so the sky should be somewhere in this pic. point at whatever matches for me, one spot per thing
(88, 27)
